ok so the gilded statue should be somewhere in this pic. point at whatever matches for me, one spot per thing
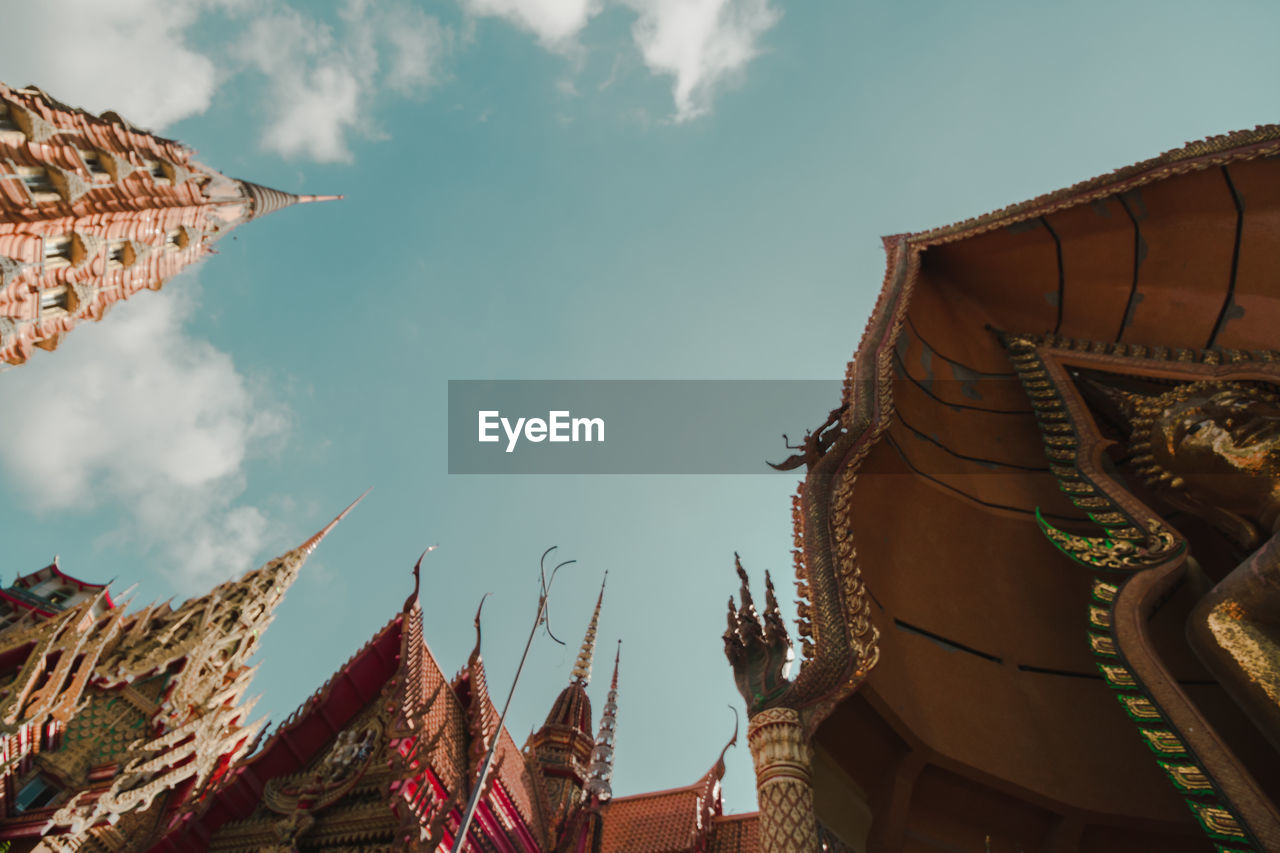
(1212, 449)
(1200, 430)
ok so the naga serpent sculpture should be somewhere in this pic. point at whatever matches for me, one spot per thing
(839, 646)
(1202, 431)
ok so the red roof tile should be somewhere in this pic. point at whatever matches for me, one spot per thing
(735, 834)
(662, 822)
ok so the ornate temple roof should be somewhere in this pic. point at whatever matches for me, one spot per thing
(985, 686)
(53, 570)
(123, 716)
(431, 724)
(49, 590)
(572, 709)
(294, 742)
(385, 752)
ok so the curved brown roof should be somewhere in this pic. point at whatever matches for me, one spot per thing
(986, 692)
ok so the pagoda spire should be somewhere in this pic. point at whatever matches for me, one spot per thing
(200, 720)
(218, 631)
(582, 669)
(266, 200)
(311, 544)
(599, 785)
(274, 579)
(98, 211)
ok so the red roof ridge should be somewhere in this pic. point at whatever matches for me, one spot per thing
(322, 692)
(694, 788)
(190, 819)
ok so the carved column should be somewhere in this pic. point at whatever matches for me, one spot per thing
(782, 758)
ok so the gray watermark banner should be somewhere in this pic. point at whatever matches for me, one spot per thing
(631, 426)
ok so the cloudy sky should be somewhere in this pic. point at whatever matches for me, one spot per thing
(549, 189)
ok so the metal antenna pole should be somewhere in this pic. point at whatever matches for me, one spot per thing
(460, 840)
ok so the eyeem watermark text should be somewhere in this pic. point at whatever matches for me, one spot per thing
(559, 426)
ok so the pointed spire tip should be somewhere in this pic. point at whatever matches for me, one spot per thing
(582, 669)
(617, 657)
(310, 545)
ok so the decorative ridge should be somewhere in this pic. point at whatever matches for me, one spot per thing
(481, 714)
(1241, 144)
(474, 658)
(412, 600)
(322, 692)
(264, 743)
(691, 788)
(718, 768)
(714, 773)
(57, 570)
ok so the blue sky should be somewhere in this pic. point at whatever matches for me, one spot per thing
(542, 189)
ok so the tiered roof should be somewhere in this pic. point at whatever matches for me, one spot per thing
(436, 733)
(29, 604)
(127, 716)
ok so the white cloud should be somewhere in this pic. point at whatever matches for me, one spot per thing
(701, 43)
(556, 23)
(417, 44)
(312, 96)
(131, 56)
(136, 412)
(317, 83)
(137, 57)
(321, 85)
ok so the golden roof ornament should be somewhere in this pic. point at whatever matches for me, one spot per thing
(582, 669)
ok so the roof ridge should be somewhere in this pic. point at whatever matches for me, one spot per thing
(1240, 144)
(691, 789)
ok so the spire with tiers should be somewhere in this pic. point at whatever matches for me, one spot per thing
(562, 748)
(582, 669)
(138, 705)
(213, 635)
(599, 785)
(572, 708)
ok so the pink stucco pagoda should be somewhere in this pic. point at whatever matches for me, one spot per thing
(93, 209)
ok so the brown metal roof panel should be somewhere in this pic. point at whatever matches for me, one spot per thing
(1099, 245)
(1249, 321)
(1188, 229)
(1022, 732)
